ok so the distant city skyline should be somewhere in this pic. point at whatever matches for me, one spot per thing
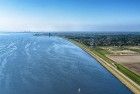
(69, 15)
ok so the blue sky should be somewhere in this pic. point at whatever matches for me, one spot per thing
(70, 15)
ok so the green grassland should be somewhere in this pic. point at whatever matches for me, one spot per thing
(102, 54)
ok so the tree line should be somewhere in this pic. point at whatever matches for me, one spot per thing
(108, 40)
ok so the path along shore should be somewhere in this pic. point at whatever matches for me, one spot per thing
(134, 87)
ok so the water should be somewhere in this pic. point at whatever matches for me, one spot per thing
(51, 65)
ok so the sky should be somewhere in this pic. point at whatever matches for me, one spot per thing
(69, 15)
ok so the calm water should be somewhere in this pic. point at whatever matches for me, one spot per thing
(43, 65)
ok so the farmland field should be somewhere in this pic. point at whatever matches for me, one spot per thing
(127, 56)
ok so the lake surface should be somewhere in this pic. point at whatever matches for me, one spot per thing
(51, 65)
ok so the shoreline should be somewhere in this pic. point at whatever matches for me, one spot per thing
(134, 87)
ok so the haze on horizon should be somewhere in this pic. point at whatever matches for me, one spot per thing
(70, 15)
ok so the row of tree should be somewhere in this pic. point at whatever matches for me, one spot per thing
(109, 40)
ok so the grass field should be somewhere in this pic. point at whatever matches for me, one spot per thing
(127, 56)
(124, 69)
